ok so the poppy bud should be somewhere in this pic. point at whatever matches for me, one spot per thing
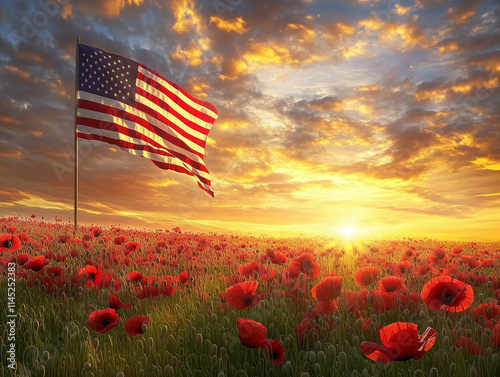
(321, 357)
(446, 341)
(312, 357)
(495, 359)
(199, 339)
(45, 356)
(473, 371)
(433, 372)
(95, 343)
(86, 366)
(120, 374)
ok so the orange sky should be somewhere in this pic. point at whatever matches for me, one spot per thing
(375, 116)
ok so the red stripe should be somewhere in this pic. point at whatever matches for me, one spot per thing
(160, 117)
(168, 109)
(127, 145)
(98, 107)
(178, 101)
(99, 124)
(165, 166)
(208, 105)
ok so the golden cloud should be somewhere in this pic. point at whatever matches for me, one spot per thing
(236, 25)
(233, 68)
(113, 8)
(186, 17)
(18, 71)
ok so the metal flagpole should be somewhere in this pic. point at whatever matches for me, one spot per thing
(76, 139)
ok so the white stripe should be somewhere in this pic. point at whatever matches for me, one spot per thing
(153, 121)
(140, 129)
(171, 117)
(151, 155)
(178, 93)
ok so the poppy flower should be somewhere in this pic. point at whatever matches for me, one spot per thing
(278, 258)
(131, 247)
(275, 349)
(328, 288)
(306, 327)
(93, 275)
(471, 347)
(242, 295)
(134, 276)
(103, 320)
(484, 312)
(304, 264)
(246, 270)
(120, 239)
(115, 303)
(444, 292)
(401, 341)
(495, 336)
(252, 334)
(21, 258)
(9, 242)
(390, 284)
(33, 215)
(35, 263)
(366, 275)
(136, 325)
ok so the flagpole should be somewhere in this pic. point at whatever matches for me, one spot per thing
(75, 216)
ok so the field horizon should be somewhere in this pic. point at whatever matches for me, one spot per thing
(126, 302)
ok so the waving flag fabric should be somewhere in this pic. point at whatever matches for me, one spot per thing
(127, 104)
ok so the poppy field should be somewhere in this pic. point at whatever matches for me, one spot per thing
(106, 301)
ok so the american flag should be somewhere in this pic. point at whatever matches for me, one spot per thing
(127, 104)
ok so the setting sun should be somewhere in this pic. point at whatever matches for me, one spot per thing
(347, 232)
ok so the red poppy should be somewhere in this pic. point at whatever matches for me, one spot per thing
(153, 288)
(33, 215)
(304, 264)
(447, 293)
(134, 276)
(276, 350)
(131, 247)
(21, 258)
(305, 328)
(55, 271)
(35, 263)
(472, 347)
(495, 336)
(115, 303)
(278, 258)
(9, 242)
(103, 320)
(120, 239)
(93, 275)
(390, 284)
(424, 269)
(246, 270)
(484, 312)
(136, 325)
(242, 295)
(366, 275)
(252, 334)
(63, 238)
(328, 288)
(401, 341)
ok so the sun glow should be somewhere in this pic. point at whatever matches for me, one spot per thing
(347, 232)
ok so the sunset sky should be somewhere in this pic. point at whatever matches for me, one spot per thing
(382, 117)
